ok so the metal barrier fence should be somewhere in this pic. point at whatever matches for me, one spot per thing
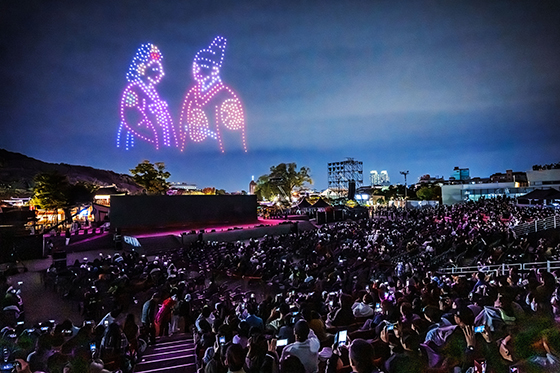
(501, 269)
(552, 222)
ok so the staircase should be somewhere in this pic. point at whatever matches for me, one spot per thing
(170, 355)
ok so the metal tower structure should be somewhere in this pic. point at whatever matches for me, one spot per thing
(342, 173)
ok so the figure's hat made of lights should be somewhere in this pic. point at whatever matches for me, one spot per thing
(146, 53)
(214, 54)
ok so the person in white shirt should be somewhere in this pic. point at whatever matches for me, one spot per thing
(305, 348)
(363, 308)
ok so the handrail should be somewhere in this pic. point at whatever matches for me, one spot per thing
(502, 268)
(551, 222)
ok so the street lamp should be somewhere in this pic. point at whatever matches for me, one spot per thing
(404, 173)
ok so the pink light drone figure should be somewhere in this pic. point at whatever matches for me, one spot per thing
(143, 113)
(211, 98)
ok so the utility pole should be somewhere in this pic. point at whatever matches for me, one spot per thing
(404, 173)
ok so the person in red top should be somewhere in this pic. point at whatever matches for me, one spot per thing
(163, 316)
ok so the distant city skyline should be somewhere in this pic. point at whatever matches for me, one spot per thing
(418, 86)
(381, 178)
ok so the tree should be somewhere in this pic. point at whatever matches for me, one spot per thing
(51, 191)
(152, 177)
(81, 192)
(429, 192)
(424, 193)
(281, 181)
(209, 190)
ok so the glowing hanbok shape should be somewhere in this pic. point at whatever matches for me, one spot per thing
(210, 108)
(143, 114)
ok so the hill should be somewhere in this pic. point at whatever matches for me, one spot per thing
(17, 172)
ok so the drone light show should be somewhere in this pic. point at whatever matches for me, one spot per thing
(143, 113)
(211, 98)
(211, 110)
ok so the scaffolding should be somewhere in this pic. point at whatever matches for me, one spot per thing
(342, 173)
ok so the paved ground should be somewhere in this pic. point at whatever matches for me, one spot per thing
(40, 303)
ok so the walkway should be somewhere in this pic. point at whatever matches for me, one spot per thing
(170, 354)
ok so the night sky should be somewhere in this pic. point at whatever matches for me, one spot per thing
(400, 85)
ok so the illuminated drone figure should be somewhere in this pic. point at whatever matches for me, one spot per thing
(210, 98)
(143, 113)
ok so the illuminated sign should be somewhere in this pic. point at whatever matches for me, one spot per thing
(143, 113)
(132, 241)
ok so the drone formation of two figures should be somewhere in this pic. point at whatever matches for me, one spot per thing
(210, 110)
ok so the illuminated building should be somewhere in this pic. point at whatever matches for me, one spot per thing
(211, 109)
(511, 184)
(373, 178)
(143, 114)
(384, 178)
(178, 188)
(252, 186)
(461, 173)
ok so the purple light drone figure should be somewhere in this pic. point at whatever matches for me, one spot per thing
(143, 113)
(210, 98)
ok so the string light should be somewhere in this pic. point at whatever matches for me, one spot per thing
(140, 96)
(209, 95)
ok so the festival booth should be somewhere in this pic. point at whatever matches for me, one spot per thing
(540, 197)
(301, 207)
(321, 204)
(324, 212)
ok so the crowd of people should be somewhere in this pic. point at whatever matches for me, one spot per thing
(364, 296)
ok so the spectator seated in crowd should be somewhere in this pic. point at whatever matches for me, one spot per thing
(379, 280)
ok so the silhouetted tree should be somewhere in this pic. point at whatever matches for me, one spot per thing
(281, 180)
(151, 176)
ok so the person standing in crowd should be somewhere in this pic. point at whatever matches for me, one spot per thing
(67, 236)
(131, 331)
(252, 319)
(205, 316)
(163, 317)
(148, 318)
(114, 345)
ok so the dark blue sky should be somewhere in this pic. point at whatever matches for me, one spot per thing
(400, 85)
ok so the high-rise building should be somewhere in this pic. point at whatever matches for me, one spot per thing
(461, 173)
(373, 178)
(384, 178)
